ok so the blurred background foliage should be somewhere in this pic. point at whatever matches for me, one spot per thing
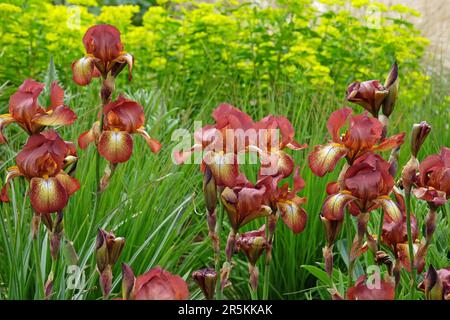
(324, 44)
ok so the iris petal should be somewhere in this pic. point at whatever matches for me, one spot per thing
(115, 146)
(83, 70)
(47, 195)
(61, 115)
(333, 207)
(292, 214)
(5, 119)
(154, 144)
(325, 157)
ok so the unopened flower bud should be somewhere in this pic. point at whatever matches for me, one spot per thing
(433, 285)
(332, 228)
(430, 223)
(419, 134)
(209, 190)
(206, 280)
(393, 161)
(101, 251)
(107, 251)
(128, 281)
(409, 174)
(391, 84)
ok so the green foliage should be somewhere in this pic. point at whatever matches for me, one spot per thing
(191, 43)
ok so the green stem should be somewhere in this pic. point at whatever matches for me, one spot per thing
(380, 230)
(97, 193)
(254, 293)
(37, 261)
(266, 281)
(217, 254)
(348, 229)
(269, 235)
(410, 244)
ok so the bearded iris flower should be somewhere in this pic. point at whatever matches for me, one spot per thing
(367, 185)
(104, 55)
(285, 201)
(221, 143)
(42, 162)
(24, 109)
(278, 135)
(364, 135)
(253, 244)
(244, 203)
(122, 118)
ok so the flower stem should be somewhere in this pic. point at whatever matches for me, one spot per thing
(266, 281)
(40, 281)
(254, 294)
(410, 244)
(348, 229)
(105, 94)
(217, 253)
(270, 232)
(380, 230)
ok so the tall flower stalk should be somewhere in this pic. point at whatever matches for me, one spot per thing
(106, 58)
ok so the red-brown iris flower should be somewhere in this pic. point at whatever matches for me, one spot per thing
(275, 133)
(42, 162)
(371, 95)
(252, 244)
(24, 109)
(122, 118)
(394, 226)
(366, 185)
(220, 143)
(156, 284)
(364, 135)
(244, 202)
(433, 182)
(363, 291)
(104, 55)
(285, 200)
(395, 236)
